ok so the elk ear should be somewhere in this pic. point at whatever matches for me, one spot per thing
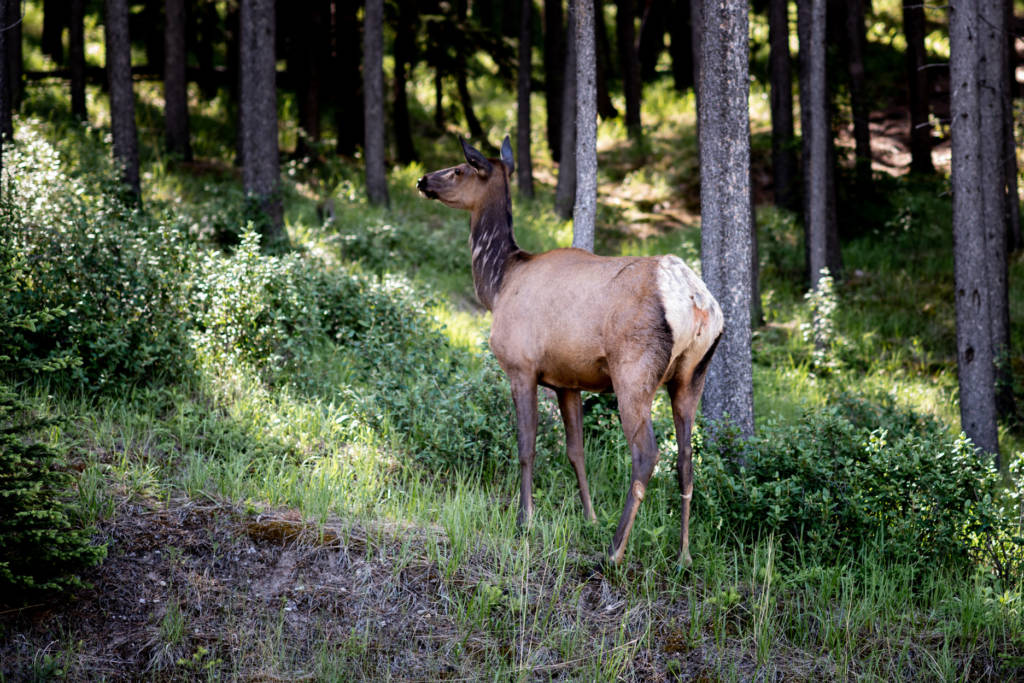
(506, 155)
(476, 159)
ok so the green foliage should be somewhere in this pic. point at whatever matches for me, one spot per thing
(40, 549)
(97, 283)
(850, 478)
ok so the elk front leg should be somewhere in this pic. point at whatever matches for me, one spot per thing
(524, 396)
(571, 406)
(636, 423)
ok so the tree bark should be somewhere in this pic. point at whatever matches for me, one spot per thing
(629, 63)
(725, 208)
(15, 58)
(992, 83)
(349, 94)
(680, 45)
(176, 82)
(122, 100)
(55, 17)
(653, 26)
(565, 190)
(855, 46)
(585, 209)
(554, 74)
(975, 366)
(524, 165)
(696, 42)
(605, 107)
(373, 89)
(917, 89)
(784, 169)
(261, 174)
(405, 47)
(814, 111)
(462, 75)
(309, 56)
(76, 59)
(5, 107)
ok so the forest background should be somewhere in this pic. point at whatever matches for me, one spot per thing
(251, 428)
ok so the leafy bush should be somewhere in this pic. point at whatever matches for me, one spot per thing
(100, 280)
(40, 549)
(837, 488)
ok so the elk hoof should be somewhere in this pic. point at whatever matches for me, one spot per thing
(684, 561)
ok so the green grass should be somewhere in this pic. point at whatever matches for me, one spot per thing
(312, 520)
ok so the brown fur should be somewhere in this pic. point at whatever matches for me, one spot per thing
(573, 321)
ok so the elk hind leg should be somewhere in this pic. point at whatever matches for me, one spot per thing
(635, 413)
(685, 390)
(571, 407)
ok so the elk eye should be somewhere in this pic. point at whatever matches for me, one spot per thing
(458, 171)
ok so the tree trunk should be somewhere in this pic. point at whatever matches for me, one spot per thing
(5, 107)
(605, 108)
(15, 58)
(462, 76)
(349, 94)
(554, 74)
(55, 17)
(680, 45)
(855, 46)
(524, 165)
(373, 89)
(405, 47)
(814, 113)
(975, 366)
(309, 51)
(625, 32)
(696, 42)
(175, 82)
(917, 89)
(992, 83)
(654, 24)
(205, 34)
(122, 100)
(261, 174)
(585, 209)
(725, 208)
(784, 169)
(565, 190)
(76, 59)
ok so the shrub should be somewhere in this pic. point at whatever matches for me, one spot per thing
(100, 280)
(839, 488)
(40, 549)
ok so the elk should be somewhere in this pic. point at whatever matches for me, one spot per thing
(569, 320)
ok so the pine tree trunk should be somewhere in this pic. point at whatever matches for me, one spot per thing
(784, 169)
(725, 208)
(585, 209)
(814, 114)
(1014, 240)
(349, 94)
(680, 45)
(992, 82)
(554, 74)
(373, 89)
(625, 32)
(176, 82)
(15, 58)
(5, 108)
(205, 33)
(565, 190)
(476, 131)
(855, 46)
(260, 164)
(970, 258)
(605, 108)
(76, 59)
(653, 26)
(122, 99)
(310, 47)
(405, 46)
(917, 89)
(524, 164)
(54, 20)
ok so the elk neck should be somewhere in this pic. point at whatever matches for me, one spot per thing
(493, 244)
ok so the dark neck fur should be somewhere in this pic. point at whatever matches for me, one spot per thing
(493, 246)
